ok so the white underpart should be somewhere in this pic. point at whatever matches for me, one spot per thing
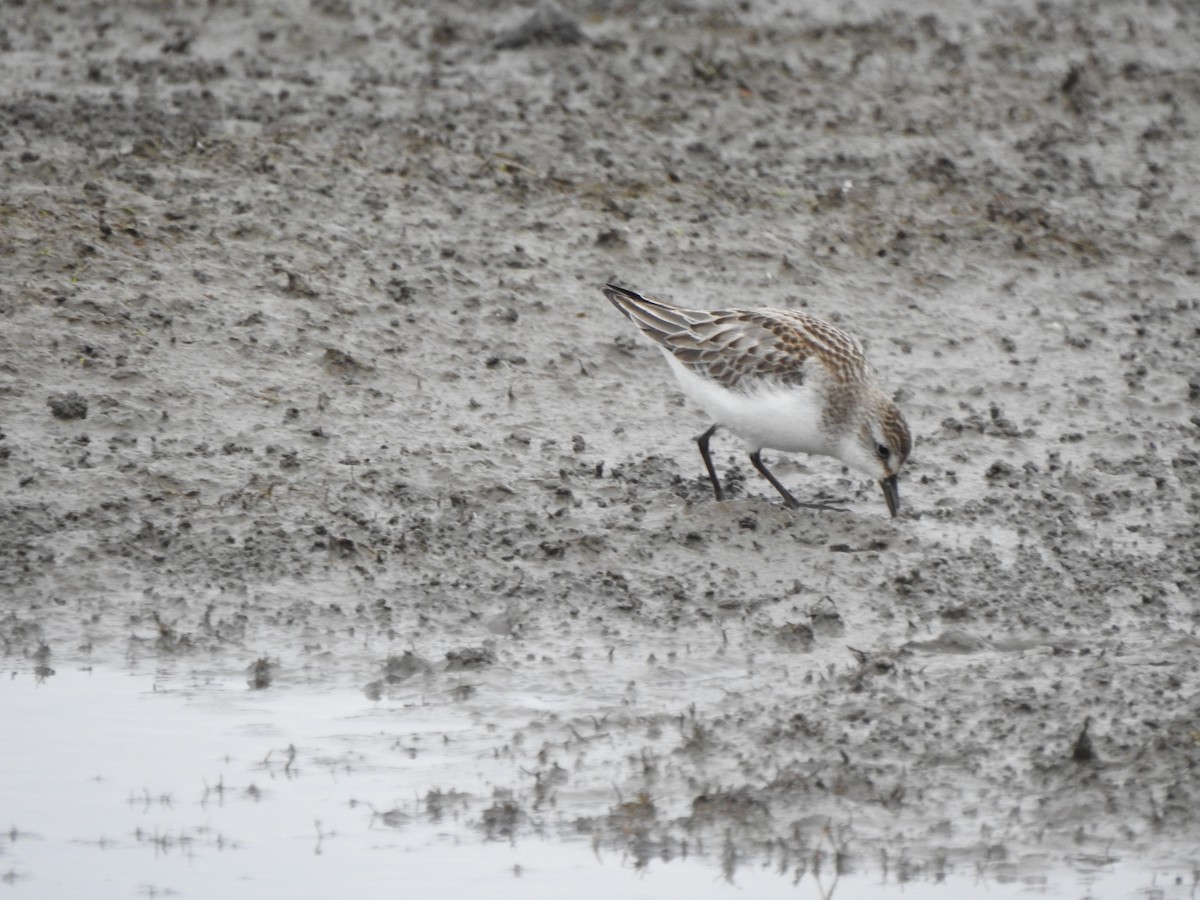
(775, 417)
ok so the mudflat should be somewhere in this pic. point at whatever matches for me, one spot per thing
(305, 370)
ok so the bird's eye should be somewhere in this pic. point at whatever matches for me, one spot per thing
(883, 451)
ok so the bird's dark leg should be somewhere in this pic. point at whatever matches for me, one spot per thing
(712, 473)
(756, 458)
(788, 499)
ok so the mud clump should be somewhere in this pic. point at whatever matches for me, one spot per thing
(68, 406)
(546, 27)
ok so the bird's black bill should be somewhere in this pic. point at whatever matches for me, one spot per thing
(891, 493)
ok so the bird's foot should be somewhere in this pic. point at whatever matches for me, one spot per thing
(797, 504)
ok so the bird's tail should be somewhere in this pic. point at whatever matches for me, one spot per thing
(654, 317)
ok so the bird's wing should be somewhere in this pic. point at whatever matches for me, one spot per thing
(740, 348)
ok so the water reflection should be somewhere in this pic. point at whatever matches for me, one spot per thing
(120, 783)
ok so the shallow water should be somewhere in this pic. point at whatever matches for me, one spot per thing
(162, 782)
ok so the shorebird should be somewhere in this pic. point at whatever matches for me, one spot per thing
(781, 380)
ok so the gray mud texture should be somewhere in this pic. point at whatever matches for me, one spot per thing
(306, 369)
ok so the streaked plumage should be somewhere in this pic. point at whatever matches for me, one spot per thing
(779, 379)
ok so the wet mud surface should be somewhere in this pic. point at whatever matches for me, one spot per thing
(306, 372)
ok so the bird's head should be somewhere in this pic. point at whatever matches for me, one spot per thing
(879, 448)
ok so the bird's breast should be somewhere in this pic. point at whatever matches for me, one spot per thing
(762, 413)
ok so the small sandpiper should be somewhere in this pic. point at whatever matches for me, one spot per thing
(778, 379)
